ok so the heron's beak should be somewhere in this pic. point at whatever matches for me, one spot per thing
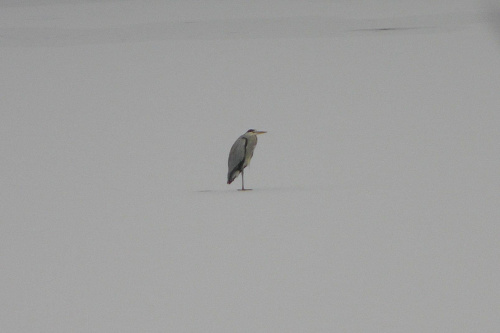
(260, 132)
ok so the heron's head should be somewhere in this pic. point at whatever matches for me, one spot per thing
(255, 132)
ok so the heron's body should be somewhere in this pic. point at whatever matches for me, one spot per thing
(240, 155)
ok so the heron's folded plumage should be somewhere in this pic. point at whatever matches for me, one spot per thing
(241, 153)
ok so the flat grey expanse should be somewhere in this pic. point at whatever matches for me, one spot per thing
(376, 191)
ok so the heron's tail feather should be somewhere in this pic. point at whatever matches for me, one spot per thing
(232, 176)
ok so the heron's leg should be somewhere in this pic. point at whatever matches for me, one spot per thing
(242, 183)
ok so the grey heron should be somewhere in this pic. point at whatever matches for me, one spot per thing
(240, 155)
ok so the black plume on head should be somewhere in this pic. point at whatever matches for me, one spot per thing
(250, 130)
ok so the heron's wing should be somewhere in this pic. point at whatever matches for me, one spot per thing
(236, 158)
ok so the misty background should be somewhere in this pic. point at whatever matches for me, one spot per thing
(375, 191)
